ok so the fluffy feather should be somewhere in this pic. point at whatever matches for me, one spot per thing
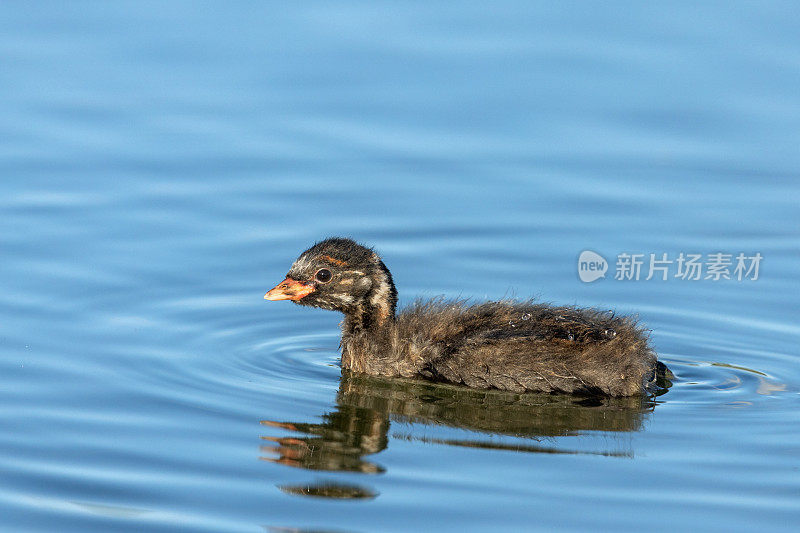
(507, 345)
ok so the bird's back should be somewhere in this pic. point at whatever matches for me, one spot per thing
(526, 346)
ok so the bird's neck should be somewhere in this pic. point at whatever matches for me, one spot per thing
(376, 309)
(365, 319)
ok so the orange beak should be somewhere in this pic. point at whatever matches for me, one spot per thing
(289, 289)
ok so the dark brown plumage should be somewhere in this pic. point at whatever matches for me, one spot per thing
(508, 345)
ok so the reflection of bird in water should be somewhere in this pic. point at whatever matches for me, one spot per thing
(337, 444)
(359, 426)
(515, 346)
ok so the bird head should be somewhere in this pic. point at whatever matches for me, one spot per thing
(341, 275)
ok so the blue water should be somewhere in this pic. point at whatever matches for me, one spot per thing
(162, 164)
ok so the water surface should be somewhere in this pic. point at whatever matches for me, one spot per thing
(162, 165)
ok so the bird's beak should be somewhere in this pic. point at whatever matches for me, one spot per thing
(289, 289)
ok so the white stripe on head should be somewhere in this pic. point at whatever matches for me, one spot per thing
(301, 265)
(381, 294)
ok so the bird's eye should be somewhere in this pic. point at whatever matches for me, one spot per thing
(323, 275)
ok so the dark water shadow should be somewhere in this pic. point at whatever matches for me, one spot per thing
(348, 438)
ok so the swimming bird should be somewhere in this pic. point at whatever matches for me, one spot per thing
(520, 346)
